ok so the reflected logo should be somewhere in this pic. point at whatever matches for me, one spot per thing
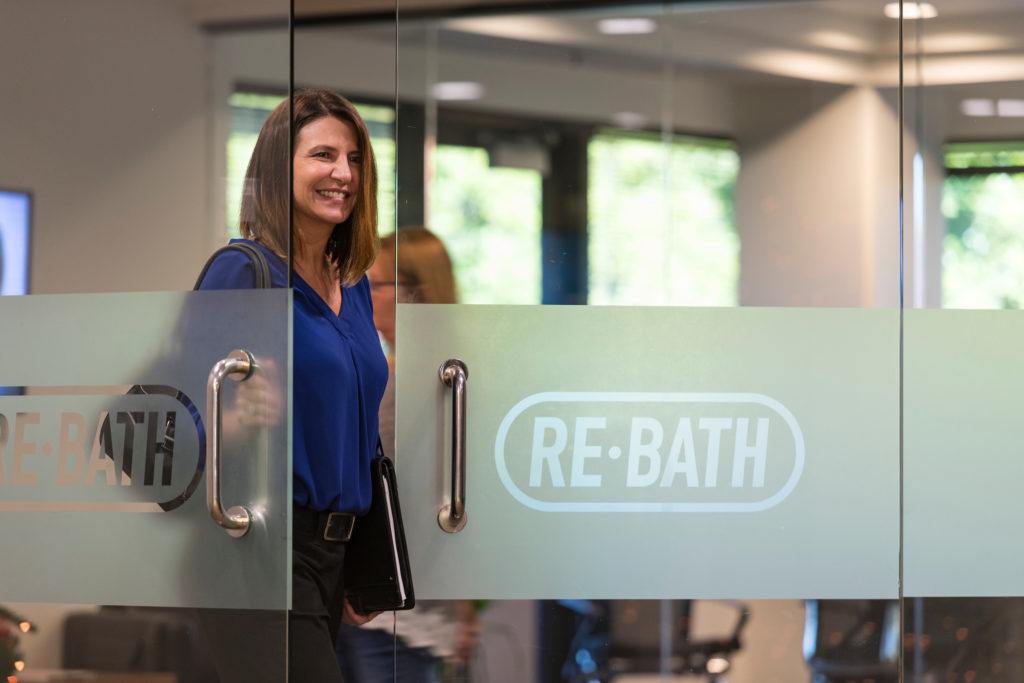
(98, 448)
(647, 452)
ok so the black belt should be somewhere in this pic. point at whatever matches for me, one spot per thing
(331, 526)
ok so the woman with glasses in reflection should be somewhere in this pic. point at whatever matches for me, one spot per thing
(339, 370)
(413, 267)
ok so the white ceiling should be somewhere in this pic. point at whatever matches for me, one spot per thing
(837, 41)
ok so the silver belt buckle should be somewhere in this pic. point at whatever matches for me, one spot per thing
(339, 526)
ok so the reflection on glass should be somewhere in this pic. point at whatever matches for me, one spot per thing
(954, 640)
(852, 640)
(625, 641)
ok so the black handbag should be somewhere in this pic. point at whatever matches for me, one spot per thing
(377, 573)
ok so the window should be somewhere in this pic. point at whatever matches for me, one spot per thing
(490, 221)
(661, 221)
(983, 249)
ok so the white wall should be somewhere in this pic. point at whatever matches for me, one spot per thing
(103, 116)
(106, 122)
(816, 199)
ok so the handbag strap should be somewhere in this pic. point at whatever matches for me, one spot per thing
(261, 271)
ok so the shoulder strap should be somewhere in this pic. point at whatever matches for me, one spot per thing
(261, 271)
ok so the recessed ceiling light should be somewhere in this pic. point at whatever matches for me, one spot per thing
(629, 119)
(627, 26)
(911, 10)
(1010, 108)
(452, 91)
(978, 107)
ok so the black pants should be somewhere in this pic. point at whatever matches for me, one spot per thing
(248, 645)
(317, 604)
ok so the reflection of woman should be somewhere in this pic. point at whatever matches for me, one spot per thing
(339, 371)
(421, 272)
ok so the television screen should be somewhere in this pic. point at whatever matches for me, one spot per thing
(15, 213)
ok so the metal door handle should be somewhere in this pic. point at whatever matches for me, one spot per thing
(238, 366)
(452, 516)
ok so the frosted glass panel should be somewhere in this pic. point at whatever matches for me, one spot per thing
(962, 468)
(102, 492)
(673, 453)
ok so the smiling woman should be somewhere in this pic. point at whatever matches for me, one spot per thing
(327, 174)
(338, 369)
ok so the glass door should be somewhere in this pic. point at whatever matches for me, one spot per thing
(965, 99)
(144, 428)
(647, 341)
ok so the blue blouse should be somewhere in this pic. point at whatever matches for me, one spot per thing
(338, 376)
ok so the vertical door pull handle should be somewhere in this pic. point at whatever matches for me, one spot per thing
(239, 366)
(452, 516)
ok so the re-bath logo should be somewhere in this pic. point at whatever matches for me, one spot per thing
(99, 448)
(634, 452)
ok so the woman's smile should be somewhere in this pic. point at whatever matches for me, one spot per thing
(328, 172)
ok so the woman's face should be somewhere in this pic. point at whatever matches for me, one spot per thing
(328, 171)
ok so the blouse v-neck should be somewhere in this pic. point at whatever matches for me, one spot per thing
(320, 300)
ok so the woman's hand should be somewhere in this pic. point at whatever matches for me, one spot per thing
(354, 618)
(257, 404)
(257, 400)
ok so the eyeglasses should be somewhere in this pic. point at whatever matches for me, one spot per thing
(383, 284)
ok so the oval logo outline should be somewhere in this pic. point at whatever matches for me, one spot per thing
(176, 501)
(648, 397)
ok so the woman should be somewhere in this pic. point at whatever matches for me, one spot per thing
(339, 370)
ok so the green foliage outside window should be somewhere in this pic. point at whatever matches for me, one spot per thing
(983, 249)
(661, 225)
(984, 154)
(489, 219)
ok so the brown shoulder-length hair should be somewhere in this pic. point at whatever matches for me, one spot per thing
(266, 196)
(423, 269)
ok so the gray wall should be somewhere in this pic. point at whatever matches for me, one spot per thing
(106, 121)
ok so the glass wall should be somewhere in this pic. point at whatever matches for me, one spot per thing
(729, 280)
(965, 87)
(112, 196)
(685, 203)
